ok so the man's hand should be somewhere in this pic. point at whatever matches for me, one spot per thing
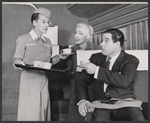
(89, 67)
(82, 108)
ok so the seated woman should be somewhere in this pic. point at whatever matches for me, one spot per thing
(83, 38)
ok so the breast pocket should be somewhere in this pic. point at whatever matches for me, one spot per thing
(30, 48)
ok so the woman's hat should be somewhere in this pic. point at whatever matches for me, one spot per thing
(43, 11)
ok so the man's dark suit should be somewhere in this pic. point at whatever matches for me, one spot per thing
(120, 79)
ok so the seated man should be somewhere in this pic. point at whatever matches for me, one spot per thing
(112, 74)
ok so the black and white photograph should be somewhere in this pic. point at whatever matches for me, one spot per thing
(75, 61)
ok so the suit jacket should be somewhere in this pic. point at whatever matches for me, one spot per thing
(120, 79)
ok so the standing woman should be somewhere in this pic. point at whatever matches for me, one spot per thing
(34, 100)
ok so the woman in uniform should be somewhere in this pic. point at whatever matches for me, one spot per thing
(34, 100)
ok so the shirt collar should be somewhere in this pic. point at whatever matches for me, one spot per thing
(35, 37)
(113, 58)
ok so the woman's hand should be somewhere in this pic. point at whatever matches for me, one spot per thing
(62, 56)
(22, 63)
(55, 59)
(18, 68)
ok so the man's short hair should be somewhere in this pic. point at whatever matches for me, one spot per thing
(117, 35)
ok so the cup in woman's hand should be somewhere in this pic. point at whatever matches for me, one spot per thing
(66, 51)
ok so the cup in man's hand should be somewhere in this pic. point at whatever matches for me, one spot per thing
(85, 61)
(83, 64)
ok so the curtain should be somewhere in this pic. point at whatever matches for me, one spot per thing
(136, 36)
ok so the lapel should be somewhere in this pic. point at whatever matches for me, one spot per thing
(118, 62)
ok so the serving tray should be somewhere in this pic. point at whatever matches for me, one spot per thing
(37, 68)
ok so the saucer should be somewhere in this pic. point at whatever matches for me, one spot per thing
(67, 54)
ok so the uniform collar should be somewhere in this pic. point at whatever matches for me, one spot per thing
(35, 37)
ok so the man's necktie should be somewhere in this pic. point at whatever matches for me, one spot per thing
(107, 64)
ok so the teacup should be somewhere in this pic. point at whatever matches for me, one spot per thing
(66, 51)
(47, 65)
(84, 61)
